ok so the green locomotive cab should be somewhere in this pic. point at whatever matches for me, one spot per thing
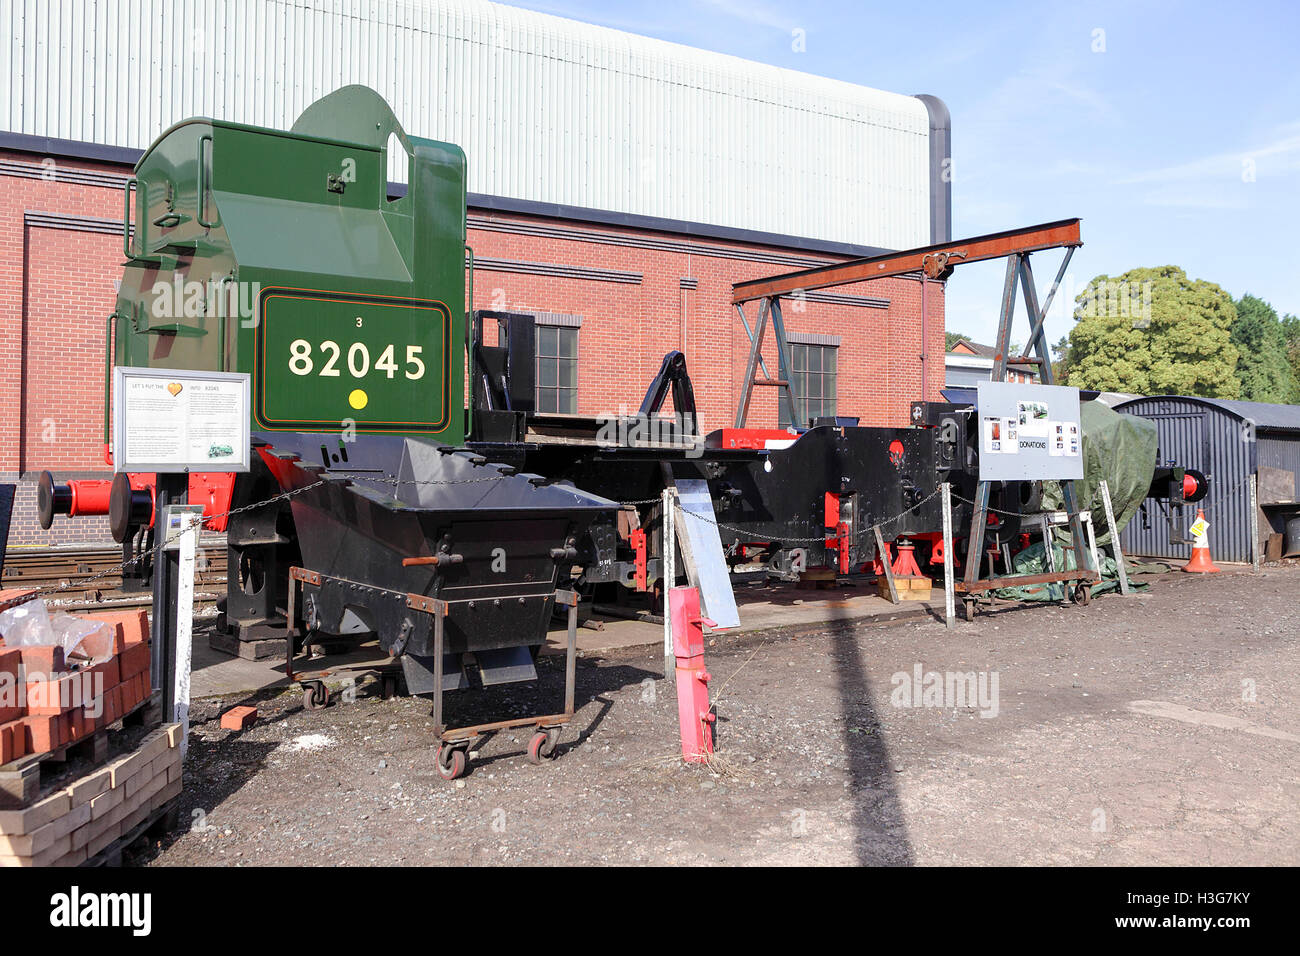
(281, 254)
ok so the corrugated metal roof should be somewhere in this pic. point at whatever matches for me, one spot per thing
(1115, 399)
(547, 109)
(1261, 414)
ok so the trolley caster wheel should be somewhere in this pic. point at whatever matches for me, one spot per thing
(451, 762)
(388, 687)
(542, 746)
(1082, 595)
(972, 607)
(316, 696)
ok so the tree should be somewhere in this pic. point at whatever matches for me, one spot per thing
(952, 338)
(1061, 362)
(1153, 332)
(1291, 334)
(1263, 368)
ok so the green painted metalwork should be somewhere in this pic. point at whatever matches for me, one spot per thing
(280, 254)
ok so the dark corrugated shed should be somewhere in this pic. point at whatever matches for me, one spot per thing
(1229, 441)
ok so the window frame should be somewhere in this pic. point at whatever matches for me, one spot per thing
(566, 396)
(800, 375)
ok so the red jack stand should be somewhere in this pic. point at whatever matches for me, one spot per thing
(936, 554)
(905, 564)
(693, 710)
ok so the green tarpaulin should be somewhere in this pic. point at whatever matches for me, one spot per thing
(1119, 449)
(1031, 561)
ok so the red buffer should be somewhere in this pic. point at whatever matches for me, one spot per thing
(134, 494)
(693, 709)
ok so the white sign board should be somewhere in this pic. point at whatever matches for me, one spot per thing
(1028, 431)
(174, 420)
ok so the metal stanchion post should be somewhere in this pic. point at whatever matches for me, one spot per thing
(669, 563)
(1114, 538)
(949, 598)
(1251, 483)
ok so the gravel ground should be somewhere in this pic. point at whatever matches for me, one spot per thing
(817, 762)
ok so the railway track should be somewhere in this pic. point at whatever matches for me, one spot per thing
(75, 571)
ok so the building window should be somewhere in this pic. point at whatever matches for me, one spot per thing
(813, 368)
(557, 369)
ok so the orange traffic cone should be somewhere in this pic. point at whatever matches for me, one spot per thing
(1200, 562)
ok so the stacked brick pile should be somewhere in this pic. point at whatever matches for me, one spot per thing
(73, 824)
(47, 702)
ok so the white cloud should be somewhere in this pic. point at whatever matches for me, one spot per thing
(1282, 154)
(754, 13)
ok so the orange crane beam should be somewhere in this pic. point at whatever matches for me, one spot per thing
(935, 261)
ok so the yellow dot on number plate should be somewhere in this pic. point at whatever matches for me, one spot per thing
(358, 398)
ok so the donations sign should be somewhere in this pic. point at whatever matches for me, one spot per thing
(1028, 431)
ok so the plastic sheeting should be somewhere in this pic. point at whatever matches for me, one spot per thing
(1118, 449)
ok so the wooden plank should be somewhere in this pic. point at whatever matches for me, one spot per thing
(1276, 486)
(884, 562)
(1018, 580)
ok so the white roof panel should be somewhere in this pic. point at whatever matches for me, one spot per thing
(547, 109)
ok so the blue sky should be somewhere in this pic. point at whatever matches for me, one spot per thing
(1177, 143)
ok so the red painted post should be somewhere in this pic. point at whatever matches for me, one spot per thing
(693, 709)
(638, 541)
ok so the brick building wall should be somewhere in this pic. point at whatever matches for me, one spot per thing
(61, 253)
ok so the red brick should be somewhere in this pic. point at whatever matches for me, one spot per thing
(134, 660)
(134, 689)
(11, 596)
(12, 697)
(44, 733)
(112, 704)
(132, 626)
(102, 691)
(238, 718)
(6, 744)
(125, 695)
(54, 696)
(109, 673)
(43, 659)
(79, 724)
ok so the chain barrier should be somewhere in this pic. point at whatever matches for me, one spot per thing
(820, 539)
(1012, 514)
(83, 583)
(1096, 501)
(395, 482)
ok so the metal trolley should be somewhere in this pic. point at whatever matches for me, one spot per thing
(453, 742)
